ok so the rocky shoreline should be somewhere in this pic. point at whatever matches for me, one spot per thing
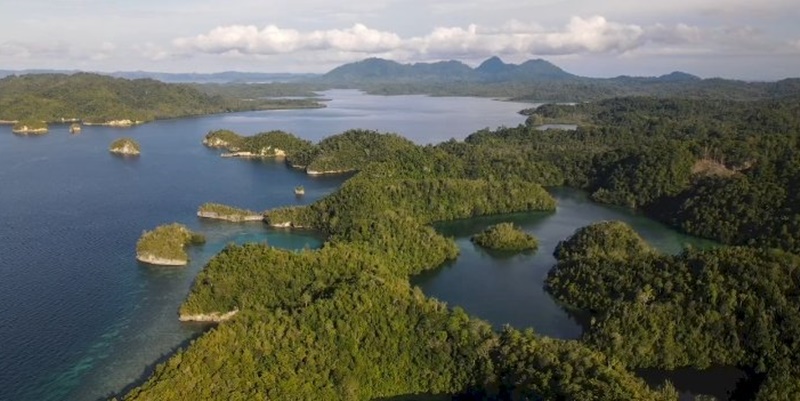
(328, 172)
(116, 123)
(287, 224)
(213, 317)
(153, 260)
(230, 217)
(25, 130)
(264, 154)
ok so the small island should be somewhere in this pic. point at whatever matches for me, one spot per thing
(74, 128)
(165, 245)
(219, 211)
(29, 127)
(299, 190)
(506, 237)
(125, 147)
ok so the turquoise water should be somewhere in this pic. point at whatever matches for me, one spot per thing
(79, 317)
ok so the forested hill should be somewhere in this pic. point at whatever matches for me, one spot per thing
(534, 80)
(97, 98)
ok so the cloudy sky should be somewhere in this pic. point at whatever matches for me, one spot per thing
(727, 38)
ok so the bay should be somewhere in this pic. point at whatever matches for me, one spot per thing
(79, 317)
(510, 289)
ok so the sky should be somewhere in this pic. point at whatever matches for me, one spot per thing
(742, 39)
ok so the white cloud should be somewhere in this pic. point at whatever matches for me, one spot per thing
(592, 35)
(274, 40)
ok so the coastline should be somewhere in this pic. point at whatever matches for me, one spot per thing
(328, 172)
(154, 260)
(230, 217)
(211, 317)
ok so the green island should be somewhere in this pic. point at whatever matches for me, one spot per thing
(125, 146)
(272, 144)
(299, 190)
(29, 126)
(219, 211)
(102, 100)
(344, 323)
(165, 245)
(505, 237)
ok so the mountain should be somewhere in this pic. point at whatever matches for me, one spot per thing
(377, 69)
(491, 70)
(678, 76)
(494, 66)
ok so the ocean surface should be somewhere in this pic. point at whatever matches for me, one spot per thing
(80, 319)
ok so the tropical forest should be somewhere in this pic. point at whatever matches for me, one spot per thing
(343, 322)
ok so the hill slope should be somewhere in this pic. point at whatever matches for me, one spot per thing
(97, 98)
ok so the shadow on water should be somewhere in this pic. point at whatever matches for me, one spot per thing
(720, 382)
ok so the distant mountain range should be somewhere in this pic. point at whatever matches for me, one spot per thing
(380, 70)
(533, 80)
(493, 70)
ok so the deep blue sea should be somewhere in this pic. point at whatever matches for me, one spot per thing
(79, 318)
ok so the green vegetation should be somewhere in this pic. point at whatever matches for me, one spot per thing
(167, 243)
(225, 139)
(225, 212)
(343, 323)
(99, 99)
(506, 237)
(351, 150)
(267, 144)
(30, 126)
(299, 190)
(726, 306)
(302, 95)
(338, 324)
(125, 146)
(724, 170)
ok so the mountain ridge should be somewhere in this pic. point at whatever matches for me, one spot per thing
(493, 69)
